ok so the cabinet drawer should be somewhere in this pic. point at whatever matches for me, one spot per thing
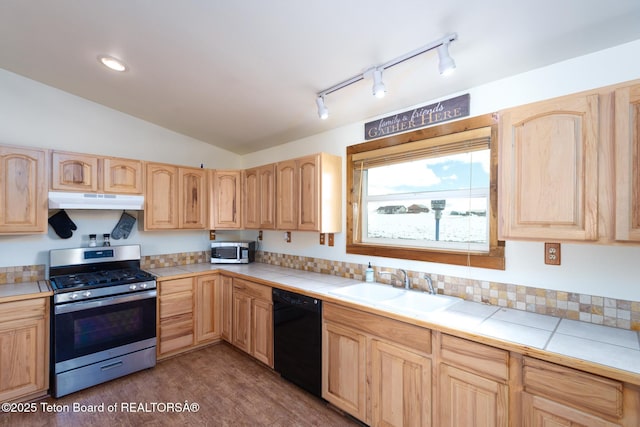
(177, 285)
(253, 289)
(391, 330)
(578, 389)
(476, 357)
(176, 305)
(25, 309)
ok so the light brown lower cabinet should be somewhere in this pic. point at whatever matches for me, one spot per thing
(400, 386)
(226, 283)
(370, 375)
(189, 313)
(24, 349)
(474, 387)
(469, 399)
(344, 369)
(252, 325)
(208, 308)
(559, 396)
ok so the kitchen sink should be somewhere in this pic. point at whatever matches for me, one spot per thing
(419, 302)
(399, 299)
(368, 292)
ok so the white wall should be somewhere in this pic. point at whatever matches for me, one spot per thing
(34, 114)
(612, 271)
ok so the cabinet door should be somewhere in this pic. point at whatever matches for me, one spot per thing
(23, 357)
(627, 163)
(468, 399)
(227, 308)
(549, 170)
(267, 191)
(161, 197)
(122, 176)
(262, 331)
(344, 382)
(540, 412)
(286, 196)
(75, 172)
(208, 304)
(242, 321)
(308, 170)
(251, 208)
(225, 205)
(23, 192)
(193, 202)
(400, 386)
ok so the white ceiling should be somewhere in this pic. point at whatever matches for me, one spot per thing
(243, 74)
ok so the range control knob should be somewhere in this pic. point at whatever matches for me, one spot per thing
(74, 296)
(86, 294)
(133, 287)
(143, 286)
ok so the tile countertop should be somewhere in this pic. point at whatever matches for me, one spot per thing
(602, 345)
(26, 290)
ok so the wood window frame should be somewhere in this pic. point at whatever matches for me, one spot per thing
(494, 259)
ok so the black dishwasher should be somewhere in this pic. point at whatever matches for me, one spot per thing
(297, 339)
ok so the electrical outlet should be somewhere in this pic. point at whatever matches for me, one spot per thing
(212, 234)
(552, 253)
(322, 238)
(260, 235)
(330, 239)
(287, 236)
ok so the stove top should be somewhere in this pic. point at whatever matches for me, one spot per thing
(88, 280)
(80, 274)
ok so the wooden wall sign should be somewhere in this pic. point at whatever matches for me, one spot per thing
(420, 117)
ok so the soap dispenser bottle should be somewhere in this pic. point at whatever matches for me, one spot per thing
(368, 274)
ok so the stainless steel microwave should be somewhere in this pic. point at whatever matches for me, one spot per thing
(238, 252)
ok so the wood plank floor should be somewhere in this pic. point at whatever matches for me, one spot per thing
(230, 388)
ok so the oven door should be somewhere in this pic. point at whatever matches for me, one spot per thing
(87, 327)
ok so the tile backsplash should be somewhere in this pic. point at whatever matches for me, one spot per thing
(22, 274)
(568, 305)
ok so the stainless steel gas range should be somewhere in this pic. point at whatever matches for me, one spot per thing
(104, 316)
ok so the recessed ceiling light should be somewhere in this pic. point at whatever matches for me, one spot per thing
(112, 63)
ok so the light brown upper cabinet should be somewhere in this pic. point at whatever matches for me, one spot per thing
(193, 203)
(74, 172)
(225, 201)
(23, 190)
(122, 176)
(259, 200)
(161, 197)
(309, 194)
(549, 170)
(627, 163)
(286, 196)
(175, 198)
(92, 174)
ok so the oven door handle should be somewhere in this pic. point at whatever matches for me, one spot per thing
(103, 302)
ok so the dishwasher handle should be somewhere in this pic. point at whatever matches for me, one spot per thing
(281, 297)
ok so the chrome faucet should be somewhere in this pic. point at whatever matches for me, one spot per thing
(432, 291)
(407, 285)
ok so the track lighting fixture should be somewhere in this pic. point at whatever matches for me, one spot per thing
(378, 85)
(323, 112)
(446, 66)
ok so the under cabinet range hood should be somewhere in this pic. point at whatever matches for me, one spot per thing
(69, 200)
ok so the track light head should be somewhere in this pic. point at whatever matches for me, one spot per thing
(323, 111)
(447, 65)
(378, 85)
